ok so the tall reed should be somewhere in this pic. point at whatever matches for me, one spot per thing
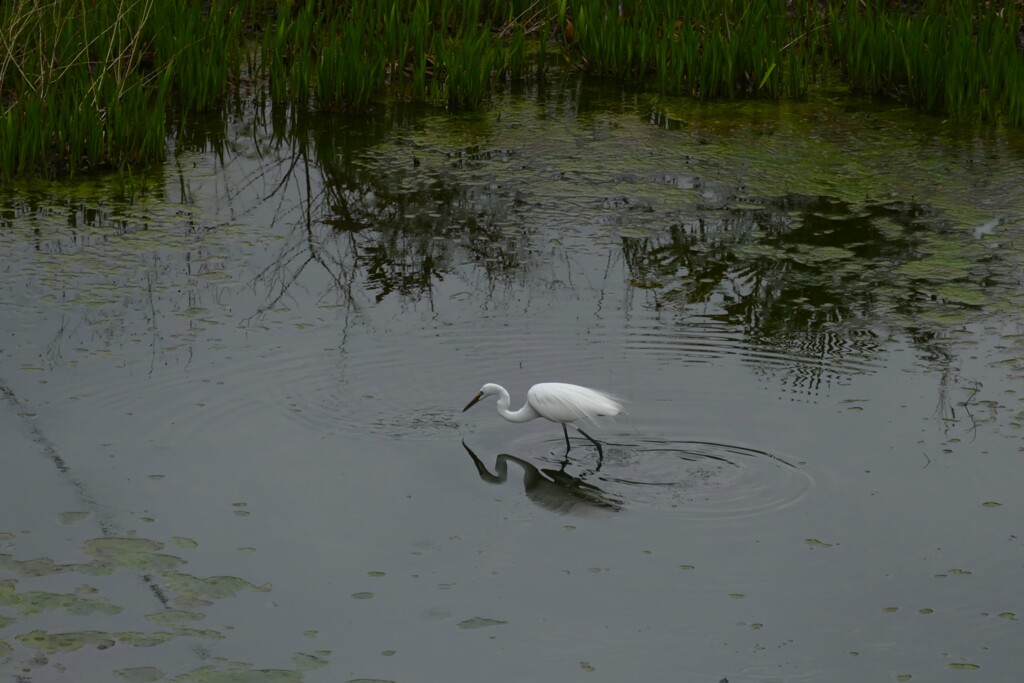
(958, 57)
(86, 85)
(74, 90)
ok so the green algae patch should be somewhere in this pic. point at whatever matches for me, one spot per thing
(480, 622)
(68, 518)
(204, 633)
(41, 566)
(308, 662)
(196, 592)
(5, 649)
(238, 673)
(140, 674)
(52, 643)
(807, 254)
(136, 556)
(37, 602)
(139, 554)
(937, 269)
(139, 639)
(175, 617)
(964, 293)
(182, 542)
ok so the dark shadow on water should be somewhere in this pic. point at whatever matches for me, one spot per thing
(553, 489)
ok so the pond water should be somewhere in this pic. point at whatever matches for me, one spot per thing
(233, 439)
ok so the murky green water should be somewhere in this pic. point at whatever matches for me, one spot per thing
(233, 445)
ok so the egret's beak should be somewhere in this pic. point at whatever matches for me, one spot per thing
(479, 395)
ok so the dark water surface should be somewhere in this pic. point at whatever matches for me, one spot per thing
(232, 439)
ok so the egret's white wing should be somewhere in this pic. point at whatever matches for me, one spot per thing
(568, 402)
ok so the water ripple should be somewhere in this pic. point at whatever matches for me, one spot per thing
(703, 479)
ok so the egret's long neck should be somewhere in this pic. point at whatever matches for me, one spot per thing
(524, 414)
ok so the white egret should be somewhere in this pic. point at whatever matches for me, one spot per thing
(557, 402)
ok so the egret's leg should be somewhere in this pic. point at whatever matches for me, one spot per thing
(600, 453)
(566, 432)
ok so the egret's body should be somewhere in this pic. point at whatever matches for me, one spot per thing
(557, 402)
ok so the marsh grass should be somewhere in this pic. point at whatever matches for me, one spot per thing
(959, 58)
(87, 85)
(73, 90)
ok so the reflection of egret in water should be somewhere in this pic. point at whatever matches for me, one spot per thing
(549, 488)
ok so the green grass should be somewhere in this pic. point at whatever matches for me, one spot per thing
(88, 85)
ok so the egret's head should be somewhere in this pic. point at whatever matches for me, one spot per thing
(485, 391)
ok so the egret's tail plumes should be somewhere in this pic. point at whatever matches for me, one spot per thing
(569, 403)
